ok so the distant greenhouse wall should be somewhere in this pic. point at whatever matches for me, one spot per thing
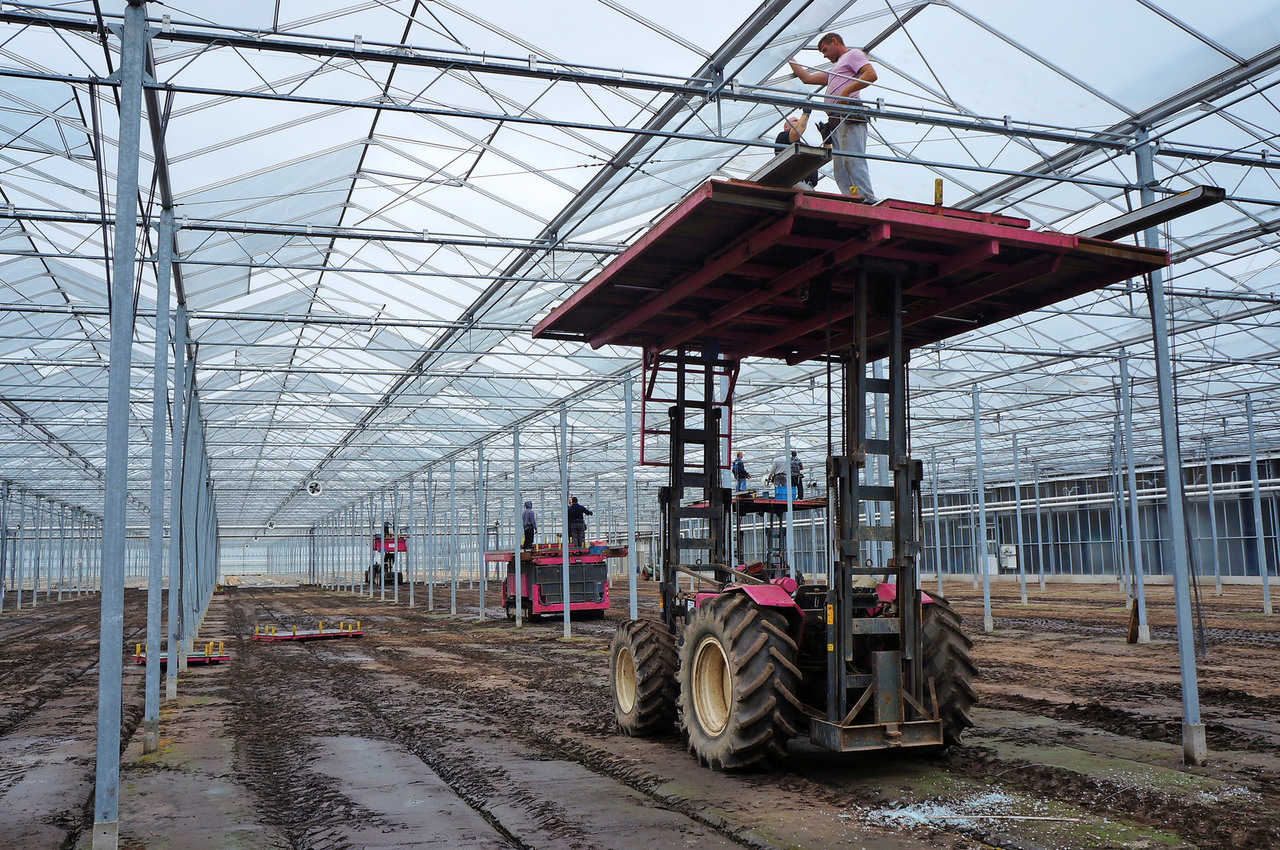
(1082, 531)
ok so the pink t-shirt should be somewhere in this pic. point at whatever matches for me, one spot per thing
(844, 70)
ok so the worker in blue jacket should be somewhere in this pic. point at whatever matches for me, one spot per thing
(577, 523)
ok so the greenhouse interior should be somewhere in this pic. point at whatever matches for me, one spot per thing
(309, 307)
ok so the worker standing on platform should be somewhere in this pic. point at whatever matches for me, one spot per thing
(796, 480)
(530, 523)
(577, 523)
(740, 474)
(850, 72)
(777, 476)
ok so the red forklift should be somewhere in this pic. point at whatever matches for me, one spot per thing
(860, 660)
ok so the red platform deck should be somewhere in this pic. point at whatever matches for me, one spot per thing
(762, 271)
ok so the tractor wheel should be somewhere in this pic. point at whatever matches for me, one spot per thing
(642, 677)
(738, 682)
(946, 661)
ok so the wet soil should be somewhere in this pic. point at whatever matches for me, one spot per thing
(448, 731)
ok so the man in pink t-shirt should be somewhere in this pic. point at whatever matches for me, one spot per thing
(850, 72)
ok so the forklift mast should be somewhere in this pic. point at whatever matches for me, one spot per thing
(694, 423)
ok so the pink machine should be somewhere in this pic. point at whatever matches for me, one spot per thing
(541, 580)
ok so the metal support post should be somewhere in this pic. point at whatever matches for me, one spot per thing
(632, 561)
(453, 536)
(987, 621)
(1118, 486)
(35, 555)
(409, 560)
(106, 797)
(1131, 481)
(786, 458)
(429, 543)
(62, 549)
(1213, 518)
(480, 520)
(937, 523)
(1258, 528)
(1017, 502)
(177, 466)
(4, 539)
(564, 517)
(382, 545)
(517, 590)
(19, 548)
(395, 543)
(1194, 749)
(159, 411)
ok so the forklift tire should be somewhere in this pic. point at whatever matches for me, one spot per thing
(642, 678)
(738, 682)
(946, 661)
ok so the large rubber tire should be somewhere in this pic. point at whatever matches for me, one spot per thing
(946, 661)
(738, 682)
(642, 678)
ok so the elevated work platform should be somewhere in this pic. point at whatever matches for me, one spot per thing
(764, 271)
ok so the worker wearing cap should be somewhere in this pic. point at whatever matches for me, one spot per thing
(850, 73)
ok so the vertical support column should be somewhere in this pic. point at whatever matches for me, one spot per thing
(36, 543)
(564, 516)
(1258, 528)
(395, 544)
(937, 523)
(1194, 749)
(178, 428)
(1213, 518)
(1118, 485)
(19, 548)
(786, 457)
(62, 547)
(517, 589)
(382, 545)
(987, 621)
(106, 797)
(1017, 502)
(480, 522)
(410, 561)
(159, 411)
(429, 543)
(453, 537)
(4, 540)
(1131, 482)
(632, 562)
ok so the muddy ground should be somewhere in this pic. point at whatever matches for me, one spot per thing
(439, 731)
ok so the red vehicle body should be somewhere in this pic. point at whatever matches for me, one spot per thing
(541, 580)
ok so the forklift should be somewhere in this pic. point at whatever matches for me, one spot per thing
(863, 659)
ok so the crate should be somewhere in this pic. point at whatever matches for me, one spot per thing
(780, 493)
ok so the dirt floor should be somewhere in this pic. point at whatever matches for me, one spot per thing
(440, 731)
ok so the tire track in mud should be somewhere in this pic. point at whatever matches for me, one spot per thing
(1166, 729)
(407, 721)
(43, 669)
(274, 759)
